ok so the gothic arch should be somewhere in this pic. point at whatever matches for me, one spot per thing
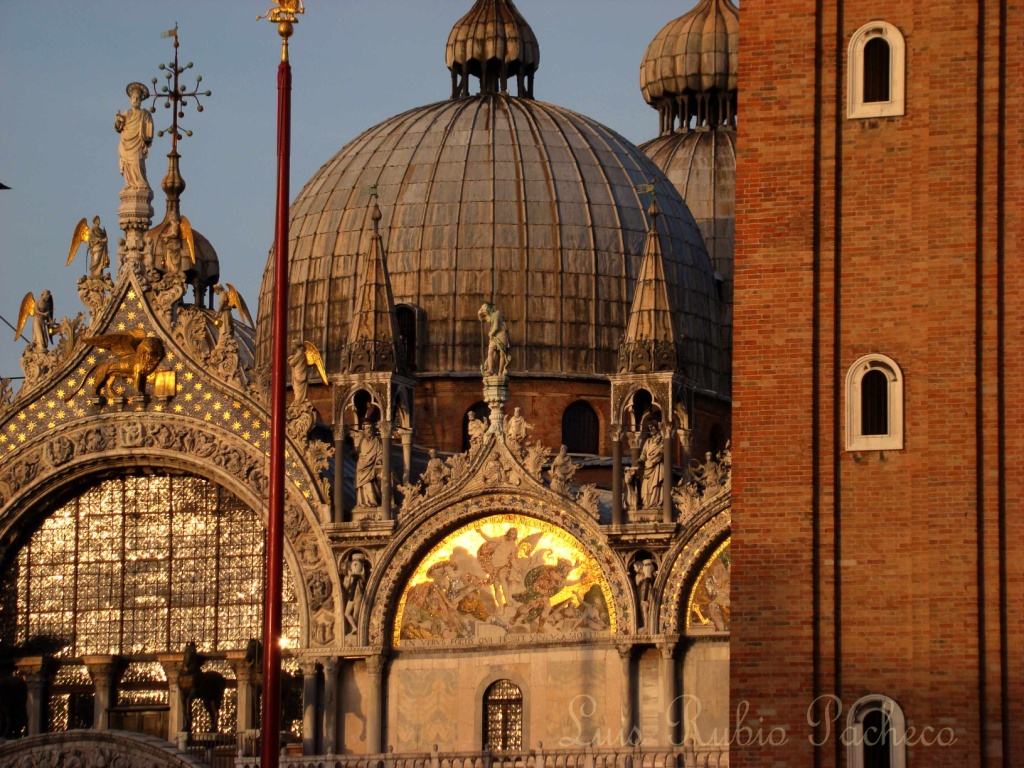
(683, 562)
(399, 560)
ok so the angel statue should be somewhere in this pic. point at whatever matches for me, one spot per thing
(136, 129)
(42, 311)
(178, 232)
(96, 238)
(230, 299)
(499, 346)
(302, 356)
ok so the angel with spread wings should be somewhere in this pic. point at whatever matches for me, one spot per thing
(96, 238)
(303, 356)
(230, 299)
(42, 311)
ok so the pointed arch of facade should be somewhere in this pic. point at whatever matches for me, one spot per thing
(400, 559)
(683, 562)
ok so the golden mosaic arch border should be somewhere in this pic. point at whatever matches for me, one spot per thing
(398, 562)
(687, 559)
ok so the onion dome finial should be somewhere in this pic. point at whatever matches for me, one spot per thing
(689, 71)
(492, 42)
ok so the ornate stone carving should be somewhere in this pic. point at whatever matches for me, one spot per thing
(190, 332)
(94, 290)
(648, 355)
(589, 499)
(537, 456)
(224, 361)
(167, 292)
(300, 419)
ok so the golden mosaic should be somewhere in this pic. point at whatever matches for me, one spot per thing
(708, 607)
(500, 577)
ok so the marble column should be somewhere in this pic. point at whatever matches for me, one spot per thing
(310, 711)
(636, 440)
(338, 514)
(616, 475)
(385, 470)
(245, 715)
(332, 667)
(668, 512)
(406, 435)
(171, 662)
(626, 694)
(35, 670)
(105, 672)
(374, 703)
(670, 694)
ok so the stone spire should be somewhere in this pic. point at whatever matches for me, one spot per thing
(373, 333)
(649, 342)
(689, 71)
(492, 42)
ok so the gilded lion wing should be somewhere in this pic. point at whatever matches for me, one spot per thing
(27, 309)
(188, 237)
(235, 300)
(313, 357)
(121, 344)
(81, 235)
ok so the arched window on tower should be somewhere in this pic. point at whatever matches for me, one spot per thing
(581, 429)
(876, 734)
(874, 405)
(876, 71)
(503, 717)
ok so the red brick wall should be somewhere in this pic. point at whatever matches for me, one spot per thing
(899, 275)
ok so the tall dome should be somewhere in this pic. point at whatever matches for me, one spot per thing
(493, 198)
(527, 205)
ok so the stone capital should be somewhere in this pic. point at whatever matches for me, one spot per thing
(375, 664)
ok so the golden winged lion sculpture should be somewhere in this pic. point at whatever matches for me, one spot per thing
(136, 356)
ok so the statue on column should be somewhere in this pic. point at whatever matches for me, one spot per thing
(368, 468)
(136, 129)
(561, 472)
(653, 482)
(499, 345)
(476, 429)
(516, 430)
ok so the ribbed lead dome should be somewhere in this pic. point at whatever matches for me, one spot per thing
(495, 199)
(691, 67)
(492, 42)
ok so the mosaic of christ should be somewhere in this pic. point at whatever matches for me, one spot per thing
(502, 576)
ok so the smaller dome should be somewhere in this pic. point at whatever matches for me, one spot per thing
(690, 59)
(492, 42)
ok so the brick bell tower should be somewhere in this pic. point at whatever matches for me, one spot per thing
(878, 423)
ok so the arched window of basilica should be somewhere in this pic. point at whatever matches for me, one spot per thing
(503, 717)
(581, 429)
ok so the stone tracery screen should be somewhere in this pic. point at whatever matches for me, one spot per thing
(143, 564)
(505, 577)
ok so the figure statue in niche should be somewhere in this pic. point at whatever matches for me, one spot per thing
(644, 573)
(499, 345)
(652, 456)
(353, 586)
(136, 129)
(709, 473)
(516, 429)
(368, 468)
(561, 472)
(476, 428)
(148, 255)
(433, 475)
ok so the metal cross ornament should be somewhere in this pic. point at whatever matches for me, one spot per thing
(176, 95)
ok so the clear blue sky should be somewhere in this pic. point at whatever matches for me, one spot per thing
(65, 64)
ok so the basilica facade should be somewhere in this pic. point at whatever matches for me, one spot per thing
(508, 462)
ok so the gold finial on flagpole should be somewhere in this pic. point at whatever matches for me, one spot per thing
(284, 15)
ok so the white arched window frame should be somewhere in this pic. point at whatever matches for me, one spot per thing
(893, 439)
(856, 736)
(856, 106)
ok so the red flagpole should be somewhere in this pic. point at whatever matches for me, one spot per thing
(270, 750)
